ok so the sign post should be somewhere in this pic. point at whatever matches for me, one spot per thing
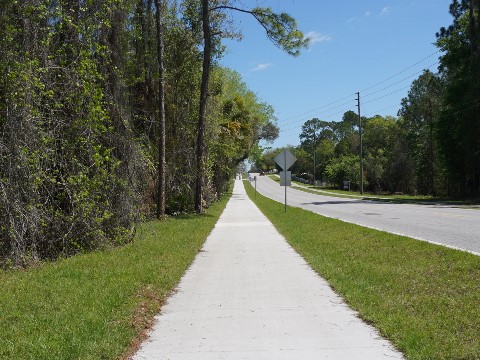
(285, 160)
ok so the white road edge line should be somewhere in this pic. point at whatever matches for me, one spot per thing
(390, 232)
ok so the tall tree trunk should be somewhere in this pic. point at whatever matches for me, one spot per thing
(149, 25)
(161, 114)
(207, 55)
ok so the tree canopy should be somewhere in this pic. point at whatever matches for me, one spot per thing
(433, 147)
(98, 102)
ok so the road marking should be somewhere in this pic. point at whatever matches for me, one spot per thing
(391, 232)
(398, 233)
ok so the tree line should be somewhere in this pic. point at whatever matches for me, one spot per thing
(431, 148)
(113, 111)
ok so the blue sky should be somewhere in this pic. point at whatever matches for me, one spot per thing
(377, 47)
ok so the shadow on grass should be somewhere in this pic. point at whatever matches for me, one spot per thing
(192, 216)
(338, 202)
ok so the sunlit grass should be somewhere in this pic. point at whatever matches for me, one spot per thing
(395, 198)
(425, 298)
(95, 306)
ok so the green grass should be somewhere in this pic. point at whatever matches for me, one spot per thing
(275, 178)
(400, 199)
(396, 197)
(96, 306)
(424, 298)
(366, 196)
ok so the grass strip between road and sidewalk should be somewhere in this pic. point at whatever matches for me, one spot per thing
(472, 203)
(98, 305)
(425, 298)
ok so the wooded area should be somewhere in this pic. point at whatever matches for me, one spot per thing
(112, 111)
(432, 148)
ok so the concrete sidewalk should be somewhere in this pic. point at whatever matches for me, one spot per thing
(249, 295)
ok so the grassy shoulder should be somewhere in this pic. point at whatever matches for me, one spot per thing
(424, 298)
(97, 305)
(399, 199)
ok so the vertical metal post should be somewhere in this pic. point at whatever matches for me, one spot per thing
(314, 154)
(361, 143)
(255, 187)
(285, 172)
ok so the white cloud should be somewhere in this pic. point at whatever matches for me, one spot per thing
(352, 19)
(368, 13)
(386, 10)
(316, 37)
(260, 67)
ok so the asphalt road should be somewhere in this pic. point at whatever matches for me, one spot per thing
(442, 224)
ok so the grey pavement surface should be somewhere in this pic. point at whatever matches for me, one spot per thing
(249, 295)
(447, 225)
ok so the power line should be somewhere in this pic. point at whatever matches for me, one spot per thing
(398, 82)
(318, 108)
(370, 114)
(345, 109)
(368, 88)
(325, 117)
(386, 95)
(325, 113)
(461, 106)
(401, 72)
(321, 112)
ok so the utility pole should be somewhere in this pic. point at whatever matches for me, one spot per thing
(361, 142)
